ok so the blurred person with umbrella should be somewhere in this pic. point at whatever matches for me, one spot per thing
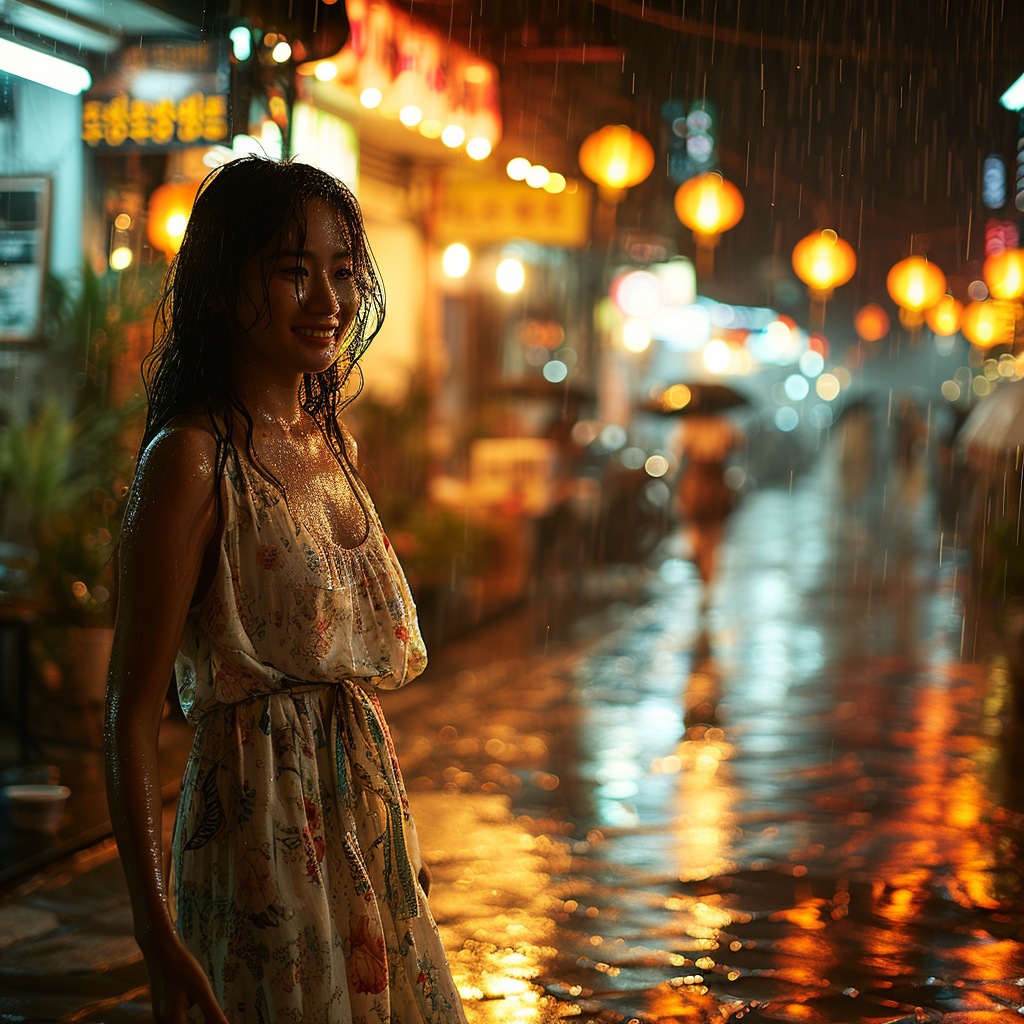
(706, 439)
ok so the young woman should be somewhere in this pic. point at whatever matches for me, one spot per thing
(253, 566)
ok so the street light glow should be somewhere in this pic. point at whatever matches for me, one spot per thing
(121, 258)
(518, 167)
(510, 276)
(456, 260)
(43, 69)
(410, 115)
(453, 136)
(241, 42)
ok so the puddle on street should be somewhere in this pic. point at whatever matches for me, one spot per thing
(807, 814)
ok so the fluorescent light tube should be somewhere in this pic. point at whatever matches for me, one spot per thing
(43, 68)
(1013, 98)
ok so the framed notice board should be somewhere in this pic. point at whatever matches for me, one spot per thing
(24, 232)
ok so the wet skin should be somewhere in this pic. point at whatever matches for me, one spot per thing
(170, 542)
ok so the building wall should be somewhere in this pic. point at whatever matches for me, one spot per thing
(396, 355)
(44, 137)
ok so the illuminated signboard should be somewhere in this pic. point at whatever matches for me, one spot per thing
(159, 96)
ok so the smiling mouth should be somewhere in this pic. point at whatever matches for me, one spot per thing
(316, 335)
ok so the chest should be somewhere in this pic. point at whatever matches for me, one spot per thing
(321, 491)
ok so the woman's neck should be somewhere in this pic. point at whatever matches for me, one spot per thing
(270, 398)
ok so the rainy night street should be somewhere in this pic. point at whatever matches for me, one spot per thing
(807, 813)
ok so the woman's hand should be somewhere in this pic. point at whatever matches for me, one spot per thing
(425, 879)
(176, 982)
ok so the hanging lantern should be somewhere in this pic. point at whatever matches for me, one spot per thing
(1004, 274)
(708, 205)
(167, 214)
(823, 261)
(915, 285)
(616, 158)
(944, 317)
(988, 323)
(871, 323)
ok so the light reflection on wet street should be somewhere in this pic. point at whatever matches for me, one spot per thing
(807, 813)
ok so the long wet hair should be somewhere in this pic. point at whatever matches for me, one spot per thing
(246, 208)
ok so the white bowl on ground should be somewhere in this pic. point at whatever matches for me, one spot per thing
(37, 808)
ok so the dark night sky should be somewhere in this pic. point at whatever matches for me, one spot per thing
(869, 117)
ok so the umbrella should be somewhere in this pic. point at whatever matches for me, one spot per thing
(696, 400)
(995, 426)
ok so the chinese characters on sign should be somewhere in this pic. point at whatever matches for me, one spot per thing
(484, 211)
(162, 95)
(196, 118)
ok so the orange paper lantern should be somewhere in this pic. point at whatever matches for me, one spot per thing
(823, 261)
(944, 317)
(1004, 274)
(871, 323)
(915, 284)
(616, 158)
(167, 214)
(709, 205)
(988, 323)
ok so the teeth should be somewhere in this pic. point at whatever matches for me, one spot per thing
(318, 334)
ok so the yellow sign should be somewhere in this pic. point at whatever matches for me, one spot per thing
(499, 210)
(196, 118)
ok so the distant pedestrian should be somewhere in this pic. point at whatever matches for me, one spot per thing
(705, 499)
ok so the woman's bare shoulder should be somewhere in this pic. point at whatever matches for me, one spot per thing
(181, 458)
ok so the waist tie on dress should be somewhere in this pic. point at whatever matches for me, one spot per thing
(375, 770)
(373, 758)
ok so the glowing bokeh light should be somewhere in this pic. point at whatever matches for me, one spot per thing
(827, 386)
(677, 397)
(537, 176)
(717, 356)
(555, 371)
(944, 317)
(796, 387)
(121, 258)
(510, 276)
(371, 97)
(410, 115)
(786, 418)
(517, 168)
(453, 136)
(241, 42)
(555, 183)
(636, 334)
(811, 363)
(637, 293)
(456, 260)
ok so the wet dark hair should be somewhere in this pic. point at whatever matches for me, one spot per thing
(246, 208)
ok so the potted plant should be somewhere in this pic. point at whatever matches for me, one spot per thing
(65, 462)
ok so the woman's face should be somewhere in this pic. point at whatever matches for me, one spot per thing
(311, 298)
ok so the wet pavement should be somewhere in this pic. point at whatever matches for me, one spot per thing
(810, 811)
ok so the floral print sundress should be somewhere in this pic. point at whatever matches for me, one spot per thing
(295, 857)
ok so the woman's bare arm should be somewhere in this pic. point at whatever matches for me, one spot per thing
(170, 521)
